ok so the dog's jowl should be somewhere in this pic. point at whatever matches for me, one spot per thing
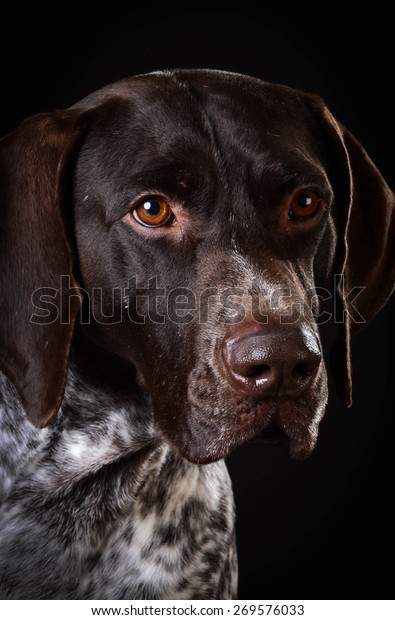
(164, 245)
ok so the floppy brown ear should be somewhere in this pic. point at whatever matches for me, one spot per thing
(365, 207)
(35, 252)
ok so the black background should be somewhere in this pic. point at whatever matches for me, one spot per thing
(322, 528)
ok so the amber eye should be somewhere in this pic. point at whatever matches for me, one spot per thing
(153, 212)
(304, 204)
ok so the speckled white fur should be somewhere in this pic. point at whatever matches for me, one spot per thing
(98, 506)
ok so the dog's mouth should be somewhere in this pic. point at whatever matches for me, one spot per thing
(273, 434)
(213, 433)
(214, 419)
(297, 432)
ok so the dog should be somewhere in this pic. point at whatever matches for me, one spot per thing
(164, 245)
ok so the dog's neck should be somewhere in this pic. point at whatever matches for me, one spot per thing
(100, 422)
(107, 415)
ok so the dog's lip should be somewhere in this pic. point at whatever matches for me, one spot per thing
(273, 434)
(300, 447)
(300, 439)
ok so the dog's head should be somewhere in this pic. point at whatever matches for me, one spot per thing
(197, 217)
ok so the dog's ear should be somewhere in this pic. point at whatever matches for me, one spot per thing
(365, 262)
(35, 251)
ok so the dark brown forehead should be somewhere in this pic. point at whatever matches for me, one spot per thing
(175, 110)
(180, 97)
(257, 113)
(196, 130)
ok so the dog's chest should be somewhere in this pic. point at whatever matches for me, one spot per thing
(83, 516)
(177, 541)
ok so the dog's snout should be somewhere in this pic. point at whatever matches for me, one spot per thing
(266, 362)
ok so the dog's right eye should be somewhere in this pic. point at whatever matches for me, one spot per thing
(153, 212)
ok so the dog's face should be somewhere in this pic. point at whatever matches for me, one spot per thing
(207, 209)
(215, 196)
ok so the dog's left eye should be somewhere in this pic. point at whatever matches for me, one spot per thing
(304, 204)
(153, 212)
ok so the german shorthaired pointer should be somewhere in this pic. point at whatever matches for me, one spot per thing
(162, 245)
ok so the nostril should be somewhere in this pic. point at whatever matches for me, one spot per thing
(246, 359)
(250, 370)
(302, 369)
(259, 371)
(305, 369)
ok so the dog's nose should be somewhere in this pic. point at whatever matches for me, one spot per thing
(265, 362)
